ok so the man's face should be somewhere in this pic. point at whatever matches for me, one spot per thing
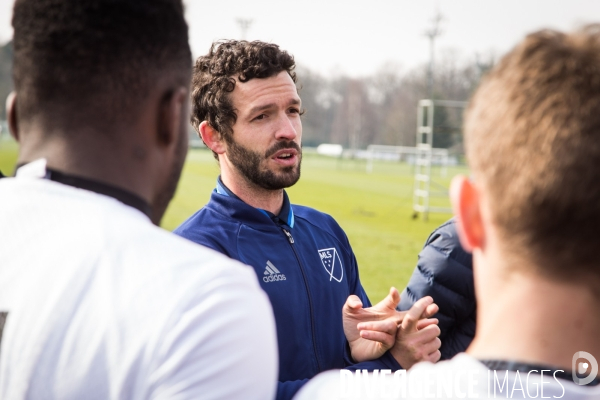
(265, 146)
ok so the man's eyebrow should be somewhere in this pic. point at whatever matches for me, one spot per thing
(254, 110)
(262, 107)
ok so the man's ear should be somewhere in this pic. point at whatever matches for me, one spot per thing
(11, 113)
(211, 138)
(171, 111)
(466, 204)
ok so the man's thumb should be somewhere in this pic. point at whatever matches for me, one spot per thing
(353, 302)
(391, 300)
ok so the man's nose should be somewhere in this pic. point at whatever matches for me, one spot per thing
(287, 128)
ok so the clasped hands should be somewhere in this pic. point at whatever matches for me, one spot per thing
(410, 336)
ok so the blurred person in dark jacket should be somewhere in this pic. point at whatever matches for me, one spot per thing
(444, 271)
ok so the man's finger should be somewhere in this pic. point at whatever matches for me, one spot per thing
(424, 323)
(399, 316)
(353, 303)
(430, 311)
(409, 323)
(387, 325)
(428, 334)
(434, 357)
(385, 339)
(432, 346)
(390, 301)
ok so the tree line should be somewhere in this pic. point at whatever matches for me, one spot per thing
(382, 108)
(376, 109)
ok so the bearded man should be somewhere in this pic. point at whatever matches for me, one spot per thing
(246, 108)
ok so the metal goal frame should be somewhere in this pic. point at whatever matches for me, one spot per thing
(424, 186)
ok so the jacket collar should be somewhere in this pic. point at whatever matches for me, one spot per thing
(285, 216)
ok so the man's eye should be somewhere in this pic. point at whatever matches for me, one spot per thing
(261, 116)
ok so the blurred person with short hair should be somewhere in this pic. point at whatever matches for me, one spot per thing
(96, 302)
(529, 215)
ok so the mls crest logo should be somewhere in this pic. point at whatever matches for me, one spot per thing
(332, 263)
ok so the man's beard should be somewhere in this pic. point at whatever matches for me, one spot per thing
(248, 163)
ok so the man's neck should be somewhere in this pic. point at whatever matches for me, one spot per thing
(253, 195)
(532, 319)
(99, 160)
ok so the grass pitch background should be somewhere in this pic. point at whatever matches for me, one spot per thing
(374, 209)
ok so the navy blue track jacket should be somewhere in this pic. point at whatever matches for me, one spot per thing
(445, 272)
(306, 266)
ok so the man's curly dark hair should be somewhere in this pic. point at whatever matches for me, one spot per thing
(215, 75)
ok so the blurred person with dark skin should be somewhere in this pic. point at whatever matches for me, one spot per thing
(96, 302)
(247, 110)
(529, 214)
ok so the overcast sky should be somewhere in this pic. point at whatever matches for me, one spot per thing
(358, 37)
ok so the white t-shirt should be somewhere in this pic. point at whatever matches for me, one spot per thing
(104, 305)
(463, 377)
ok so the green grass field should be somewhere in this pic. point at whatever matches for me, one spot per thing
(374, 209)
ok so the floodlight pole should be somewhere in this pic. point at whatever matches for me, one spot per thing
(244, 26)
(432, 33)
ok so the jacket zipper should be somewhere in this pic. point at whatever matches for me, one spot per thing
(310, 303)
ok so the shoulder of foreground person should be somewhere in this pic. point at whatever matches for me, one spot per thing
(220, 340)
(461, 377)
(133, 309)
